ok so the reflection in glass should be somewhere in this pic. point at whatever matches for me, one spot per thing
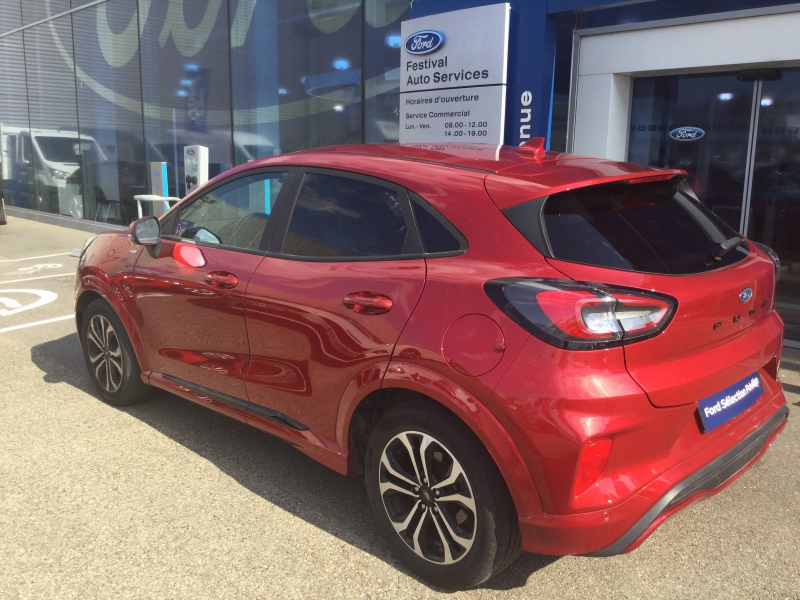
(382, 75)
(319, 60)
(55, 145)
(254, 76)
(36, 10)
(718, 104)
(775, 199)
(186, 84)
(16, 158)
(234, 214)
(108, 58)
(565, 24)
(144, 78)
(10, 15)
(337, 217)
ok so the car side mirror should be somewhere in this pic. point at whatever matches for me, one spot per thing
(147, 232)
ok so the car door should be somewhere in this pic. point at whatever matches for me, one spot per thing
(191, 297)
(326, 307)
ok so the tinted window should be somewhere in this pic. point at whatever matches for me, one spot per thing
(234, 214)
(433, 228)
(648, 227)
(339, 217)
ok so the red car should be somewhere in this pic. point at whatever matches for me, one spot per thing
(520, 350)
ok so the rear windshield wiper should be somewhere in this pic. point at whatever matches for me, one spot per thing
(726, 247)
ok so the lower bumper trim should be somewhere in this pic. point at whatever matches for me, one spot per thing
(707, 479)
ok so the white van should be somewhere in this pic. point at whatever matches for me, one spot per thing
(53, 156)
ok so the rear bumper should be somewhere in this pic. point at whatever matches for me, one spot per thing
(624, 527)
(708, 480)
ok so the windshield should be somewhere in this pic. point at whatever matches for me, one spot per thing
(65, 149)
(654, 227)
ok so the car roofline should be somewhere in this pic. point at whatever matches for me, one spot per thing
(426, 161)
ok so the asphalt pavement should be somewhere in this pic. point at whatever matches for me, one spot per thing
(167, 499)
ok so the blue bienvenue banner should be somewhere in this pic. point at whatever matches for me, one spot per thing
(734, 400)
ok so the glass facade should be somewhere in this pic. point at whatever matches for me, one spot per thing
(91, 97)
(735, 142)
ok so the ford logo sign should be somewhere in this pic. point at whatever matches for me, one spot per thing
(190, 152)
(686, 134)
(745, 294)
(424, 41)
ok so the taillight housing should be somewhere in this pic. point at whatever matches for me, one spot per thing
(591, 464)
(773, 257)
(582, 316)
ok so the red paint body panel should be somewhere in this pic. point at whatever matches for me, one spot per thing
(284, 339)
(306, 346)
(585, 532)
(702, 359)
(195, 331)
(483, 423)
(473, 345)
(107, 268)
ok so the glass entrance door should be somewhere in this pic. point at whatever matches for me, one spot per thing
(740, 143)
(698, 123)
(774, 201)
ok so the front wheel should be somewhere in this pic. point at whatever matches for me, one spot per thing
(109, 356)
(438, 498)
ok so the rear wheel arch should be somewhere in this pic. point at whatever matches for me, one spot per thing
(502, 451)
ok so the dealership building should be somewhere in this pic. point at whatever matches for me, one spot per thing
(93, 93)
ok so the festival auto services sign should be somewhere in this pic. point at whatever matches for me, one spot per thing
(453, 76)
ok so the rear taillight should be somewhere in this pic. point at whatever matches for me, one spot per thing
(581, 316)
(591, 464)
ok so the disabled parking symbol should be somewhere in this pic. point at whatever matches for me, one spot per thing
(41, 267)
(14, 306)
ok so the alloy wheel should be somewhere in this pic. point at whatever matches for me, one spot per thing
(428, 497)
(105, 353)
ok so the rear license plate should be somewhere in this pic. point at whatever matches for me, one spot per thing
(721, 407)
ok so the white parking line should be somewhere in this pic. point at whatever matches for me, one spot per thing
(34, 257)
(42, 277)
(35, 323)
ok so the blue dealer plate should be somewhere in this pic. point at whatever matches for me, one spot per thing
(730, 402)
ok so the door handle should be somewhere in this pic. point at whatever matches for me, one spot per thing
(222, 280)
(368, 303)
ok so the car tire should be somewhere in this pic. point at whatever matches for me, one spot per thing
(480, 527)
(109, 356)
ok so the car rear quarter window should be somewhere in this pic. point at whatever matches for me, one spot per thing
(340, 217)
(654, 227)
(438, 235)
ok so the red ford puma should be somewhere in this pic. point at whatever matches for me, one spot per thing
(520, 350)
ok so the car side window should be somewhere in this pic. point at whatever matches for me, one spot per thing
(234, 214)
(438, 235)
(343, 217)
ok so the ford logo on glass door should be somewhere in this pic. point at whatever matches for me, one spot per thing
(424, 41)
(686, 134)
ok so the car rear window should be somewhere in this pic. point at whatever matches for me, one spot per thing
(654, 227)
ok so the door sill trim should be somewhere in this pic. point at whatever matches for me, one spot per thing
(239, 404)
